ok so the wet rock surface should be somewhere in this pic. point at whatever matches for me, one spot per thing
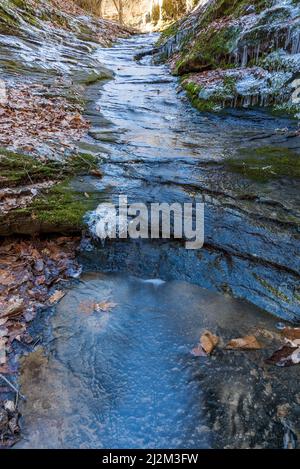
(154, 147)
(251, 223)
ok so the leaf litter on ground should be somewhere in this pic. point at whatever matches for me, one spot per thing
(28, 272)
(29, 119)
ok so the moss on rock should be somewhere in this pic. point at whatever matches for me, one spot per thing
(266, 163)
(59, 208)
(19, 169)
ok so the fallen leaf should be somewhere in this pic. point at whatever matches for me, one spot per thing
(285, 356)
(104, 306)
(13, 308)
(56, 297)
(86, 307)
(209, 342)
(97, 173)
(292, 335)
(6, 278)
(3, 342)
(248, 342)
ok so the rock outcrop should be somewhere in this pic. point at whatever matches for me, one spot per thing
(47, 62)
(238, 54)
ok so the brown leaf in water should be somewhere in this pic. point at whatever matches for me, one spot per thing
(56, 297)
(86, 307)
(209, 342)
(89, 307)
(248, 342)
(97, 173)
(105, 306)
(292, 335)
(285, 356)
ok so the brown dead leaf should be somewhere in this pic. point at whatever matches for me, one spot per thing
(89, 307)
(56, 297)
(292, 335)
(285, 356)
(248, 342)
(3, 342)
(97, 173)
(104, 306)
(15, 331)
(86, 307)
(209, 342)
(13, 308)
(6, 278)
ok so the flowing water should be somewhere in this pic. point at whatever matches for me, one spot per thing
(126, 377)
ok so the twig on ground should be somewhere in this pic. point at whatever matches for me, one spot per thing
(13, 387)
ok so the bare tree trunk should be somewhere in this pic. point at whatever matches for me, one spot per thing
(102, 8)
(121, 17)
(119, 7)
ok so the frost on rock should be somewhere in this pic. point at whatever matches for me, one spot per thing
(256, 48)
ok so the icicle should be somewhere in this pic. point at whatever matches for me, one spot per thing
(287, 39)
(245, 57)
(296, 43)
(257, 53)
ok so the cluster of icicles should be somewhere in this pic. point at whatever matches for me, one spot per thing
(285, 39)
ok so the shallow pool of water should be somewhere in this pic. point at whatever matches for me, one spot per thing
(126, 378)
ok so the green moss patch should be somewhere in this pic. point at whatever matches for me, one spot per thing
(58, 208)
(210, 50)
(19, 169)
(266, 163)
(62, 206)
(218, 99)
